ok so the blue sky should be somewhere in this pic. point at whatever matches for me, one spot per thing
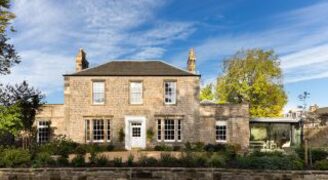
(50, 32)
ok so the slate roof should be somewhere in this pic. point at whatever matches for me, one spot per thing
(134, 68)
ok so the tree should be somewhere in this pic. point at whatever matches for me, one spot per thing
(8, 55)
(254, 77)
(29, 99)
(206, 93)
(10, 120)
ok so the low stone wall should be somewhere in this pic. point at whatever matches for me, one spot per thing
(155, 173)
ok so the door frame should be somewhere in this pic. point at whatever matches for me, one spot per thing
(139, 119)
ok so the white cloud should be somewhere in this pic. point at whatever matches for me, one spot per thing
(50, 33)
(42, 70)
(300, 37)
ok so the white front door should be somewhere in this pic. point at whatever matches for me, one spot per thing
(135, 133)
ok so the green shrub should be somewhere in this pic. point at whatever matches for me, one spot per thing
(168, 160)
(14, 157)
(43, 159)
(198, 146)
(81, 149)
(216, 161)
(101, 161)
(62, 161)
(200, 161)
(163, 147)
(300, 152)
(110, 147)
(214, 147)
(147, 161)
(78, 161)
(321, 165)
(270, 161)
(121, 135)
(176, 148)
(117, 162)
(150, 134)
(59, 146)
(130, 160)
(318, 155)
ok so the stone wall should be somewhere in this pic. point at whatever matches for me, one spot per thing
(237, 117)
(55, 114)
(78, 104)
(156, 173)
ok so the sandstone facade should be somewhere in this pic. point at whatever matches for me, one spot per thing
(198, 121)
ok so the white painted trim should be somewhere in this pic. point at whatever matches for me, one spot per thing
(140, 119)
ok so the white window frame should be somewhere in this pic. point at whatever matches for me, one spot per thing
(179, 129)
(221, 123)
(174, 130)
(173, 95)
(88, 130)
(43, 124)
(93, 131)
(89, 123)
(159, 130)
(108, 129)
(94, 91)
(136, 91)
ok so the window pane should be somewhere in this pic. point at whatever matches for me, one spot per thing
(179, 130)
(168, 129)
(159, 130)
(43, 131)
(136, 132)
(98, 92)
(170, 92)
(87, 130)
(108, 130)
(98, 130)
(136, 93)
(221, 132)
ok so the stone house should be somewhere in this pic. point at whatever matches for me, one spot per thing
(139, 104)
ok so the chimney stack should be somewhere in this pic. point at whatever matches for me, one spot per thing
(81, 61)
(191, 63)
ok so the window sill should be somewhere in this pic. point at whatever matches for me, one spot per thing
(98, 141)
(170, 104)
(169, 141)
(98, 104)
(139, 104)
(221, 141)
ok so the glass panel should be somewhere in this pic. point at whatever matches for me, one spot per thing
(98, 92)
(179, 130)
(87, 130)
(221, 133)
(136, 93)
(108, 130)
(136, 132)
(159, 129)
(98, 130)
(43, 131)
(170, 92)
(169, 129)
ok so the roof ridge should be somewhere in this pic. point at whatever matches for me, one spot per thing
(162, 68)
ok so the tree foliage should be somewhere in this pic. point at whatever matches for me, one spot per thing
(8, 55)
(253, 77)
(206, 93)
(10, 120)
(29, 99)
